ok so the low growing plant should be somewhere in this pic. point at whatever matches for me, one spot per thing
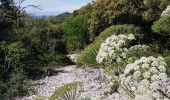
(70, 91)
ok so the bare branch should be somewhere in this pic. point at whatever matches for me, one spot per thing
(21, 1)
(22, 8)
(31, 6)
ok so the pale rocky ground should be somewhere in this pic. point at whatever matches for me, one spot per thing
(95, 84)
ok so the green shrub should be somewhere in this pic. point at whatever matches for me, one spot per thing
(162, 26)
(162, 29)
(88, 56)
(110, 12)
(18, 84)
(44, 43)
(12, 78)
(11, 58)
(167, 60)
(53, 59)
(76, 33)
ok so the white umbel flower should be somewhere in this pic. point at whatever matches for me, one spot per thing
(112, 49)
(145, 73)
(131, 37)
(141, 77)
(166, 12)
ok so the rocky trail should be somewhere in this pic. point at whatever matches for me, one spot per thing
(95, 83)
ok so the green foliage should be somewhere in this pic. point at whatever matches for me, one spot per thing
(9, 20)
(108, 12)
(18, 85)
(11, 57)
(59, 18)
(76, 33)
(88, 56)
(167, 60)
(12, 70)
(26, 43)
(66, 92)
(54, 59)
(162, 26)
(12, 52)
(84, 11)
(44, 43)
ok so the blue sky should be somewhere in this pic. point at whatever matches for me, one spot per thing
(54, 7)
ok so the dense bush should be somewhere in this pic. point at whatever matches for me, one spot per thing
(88, 56)
(44, 43)
(162, 29)
(12, 53)
(8, 20)
(27, 43)
(12, 70)
(76, 33)
(84, 11)
(162, 25)
(54, 59)
(108, 12)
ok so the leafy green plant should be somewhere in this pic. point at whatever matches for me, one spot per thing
(13, 81)
(161, 27)
(44, 43)
(88, 56)
(69, 91)
(76, 33)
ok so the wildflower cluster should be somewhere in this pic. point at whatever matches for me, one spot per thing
(142, 77)
(114, 48)
(166, 12)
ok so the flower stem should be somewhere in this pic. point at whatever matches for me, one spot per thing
(115, 80)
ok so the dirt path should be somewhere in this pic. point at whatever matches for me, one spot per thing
(96, 83)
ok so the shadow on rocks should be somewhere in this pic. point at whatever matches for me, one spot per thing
(36, 73)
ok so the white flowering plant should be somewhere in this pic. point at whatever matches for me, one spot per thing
(166, 12)
(115, 51)
(137, 51)
(114, 48)
(140, 78)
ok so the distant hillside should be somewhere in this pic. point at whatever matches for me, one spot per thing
(59, 18)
